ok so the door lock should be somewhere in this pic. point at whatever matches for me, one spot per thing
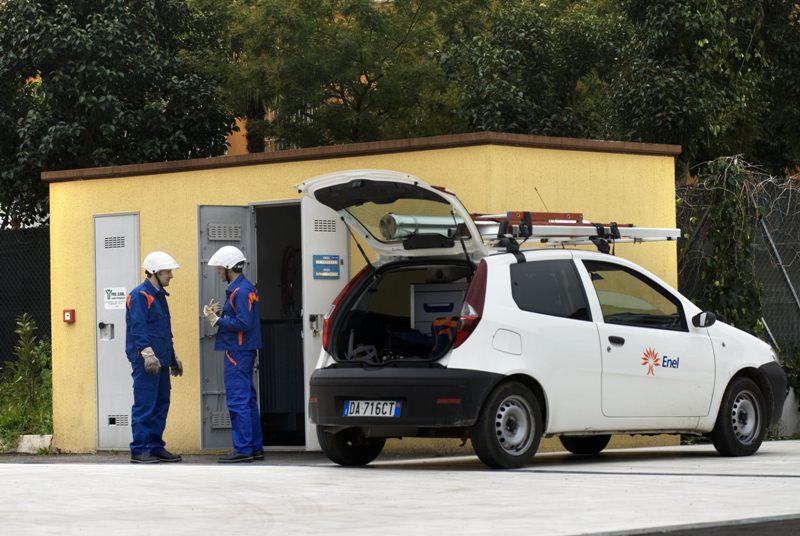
(313, 324)
(106, 331)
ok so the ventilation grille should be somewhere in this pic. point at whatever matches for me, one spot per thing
(220, 420)
(325, 226)
(118, 420)
(227, 232)
(112, 242)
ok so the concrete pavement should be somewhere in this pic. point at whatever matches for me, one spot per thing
(620, 491)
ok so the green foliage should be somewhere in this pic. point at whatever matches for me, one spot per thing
(540, 68)
(25, 386)
(86, 84)
(336, 71)
(790, 361)
(727, 283)
(713, 76)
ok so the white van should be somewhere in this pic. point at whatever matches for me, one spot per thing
(444, 337)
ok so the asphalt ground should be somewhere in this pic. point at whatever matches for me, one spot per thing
(661, 490)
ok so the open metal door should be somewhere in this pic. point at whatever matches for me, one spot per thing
(218, 226)
(326, 269)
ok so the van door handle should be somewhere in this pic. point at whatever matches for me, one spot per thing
(613, 339)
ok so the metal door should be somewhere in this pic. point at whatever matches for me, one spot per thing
(219, 226)
(326, 269)
(116, 272)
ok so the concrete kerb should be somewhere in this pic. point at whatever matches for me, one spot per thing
(33, 444)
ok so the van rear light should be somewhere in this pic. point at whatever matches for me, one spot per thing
(328, 318)
(472, 309)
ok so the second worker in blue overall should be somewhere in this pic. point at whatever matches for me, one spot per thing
(239, 337)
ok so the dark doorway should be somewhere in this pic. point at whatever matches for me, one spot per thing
(281, 358)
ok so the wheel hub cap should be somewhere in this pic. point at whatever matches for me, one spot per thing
(745, 417)
(514, 425)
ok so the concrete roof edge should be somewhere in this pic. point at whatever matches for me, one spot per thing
(447, 141)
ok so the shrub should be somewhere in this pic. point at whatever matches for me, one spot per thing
(26, 386)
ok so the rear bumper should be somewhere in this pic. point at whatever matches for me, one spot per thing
(776, 378)
(429, 397)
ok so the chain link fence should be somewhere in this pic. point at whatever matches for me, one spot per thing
(776, 256)
(25, 255)
(775, 252)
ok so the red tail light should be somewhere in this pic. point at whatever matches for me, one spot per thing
(472, 310)
(326, 321)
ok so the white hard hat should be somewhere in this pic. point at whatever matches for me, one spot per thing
(157, 261)
(227, 257)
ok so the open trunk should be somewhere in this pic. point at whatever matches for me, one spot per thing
(406, 312)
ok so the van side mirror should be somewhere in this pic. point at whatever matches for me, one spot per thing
(704, 319)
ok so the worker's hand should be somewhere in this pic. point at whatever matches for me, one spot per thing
(211, 312)
(177, 367)
(151, 364)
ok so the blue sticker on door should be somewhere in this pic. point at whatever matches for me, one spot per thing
(326, 266)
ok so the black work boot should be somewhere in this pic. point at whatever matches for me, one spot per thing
(143, 458)
(235, 457)
(164, 455)
(258, 454)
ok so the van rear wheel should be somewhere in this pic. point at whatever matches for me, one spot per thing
(349, 447)
(509, 427)
(593, 444)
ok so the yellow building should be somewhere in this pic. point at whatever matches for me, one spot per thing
(104, 220)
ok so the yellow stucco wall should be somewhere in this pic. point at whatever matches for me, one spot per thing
(488, 178)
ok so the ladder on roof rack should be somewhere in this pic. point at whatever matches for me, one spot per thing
(563, 228)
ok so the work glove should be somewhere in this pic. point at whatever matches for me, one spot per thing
(211, 312)
(151, 364)
(176, 369)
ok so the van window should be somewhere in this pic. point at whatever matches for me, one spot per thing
(629, 298)
(550, 288)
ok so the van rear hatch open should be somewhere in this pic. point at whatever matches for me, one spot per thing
(398, 215)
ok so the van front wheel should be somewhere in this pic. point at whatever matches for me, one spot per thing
(349, 446)
(741, 422)
(509, 427)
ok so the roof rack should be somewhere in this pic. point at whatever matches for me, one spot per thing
(563, 228)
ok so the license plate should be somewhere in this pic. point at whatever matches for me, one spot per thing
(371, 408)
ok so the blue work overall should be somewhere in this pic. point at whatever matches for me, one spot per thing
(239, 337)
(147, 323)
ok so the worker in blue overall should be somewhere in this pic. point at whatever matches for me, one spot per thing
(239, 337)
(148, 345)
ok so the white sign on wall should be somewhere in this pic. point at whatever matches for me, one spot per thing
(114, 297)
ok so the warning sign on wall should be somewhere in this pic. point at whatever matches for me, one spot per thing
(114, 297)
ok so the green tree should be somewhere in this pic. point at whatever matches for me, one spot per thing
(87, 84)
(335, 71)
(716, 76)
(541, 68)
